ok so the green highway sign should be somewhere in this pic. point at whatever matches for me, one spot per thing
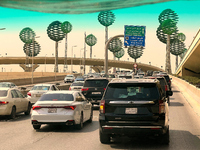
(134, 35)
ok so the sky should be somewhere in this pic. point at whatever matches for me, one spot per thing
(15, 20)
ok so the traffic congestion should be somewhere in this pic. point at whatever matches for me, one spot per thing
(115, 105)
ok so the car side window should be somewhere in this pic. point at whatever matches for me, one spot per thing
(14, 94)
(53, 88)
(20, 94)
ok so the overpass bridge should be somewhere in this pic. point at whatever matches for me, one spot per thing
(190, 65)
(97, 64)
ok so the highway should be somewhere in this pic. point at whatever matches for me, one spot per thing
(18, 134)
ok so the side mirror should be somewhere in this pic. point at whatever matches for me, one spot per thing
(169, 93)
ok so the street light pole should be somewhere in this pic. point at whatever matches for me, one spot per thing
(33, 54)
(45, 62)
(72, 59)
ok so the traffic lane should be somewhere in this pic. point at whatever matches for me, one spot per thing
(184, 133)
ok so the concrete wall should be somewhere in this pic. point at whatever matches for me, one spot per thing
(190, 92)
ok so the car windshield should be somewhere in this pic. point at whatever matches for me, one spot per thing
(96, 83)
(57, 97)
(3, 93)
(77, 84)
(40, 88)
(135, 92)
(5, 85)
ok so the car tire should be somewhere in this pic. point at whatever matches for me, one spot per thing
(91, 116)
(28, 110)
(13, 113)
(164, 139)
(36, 127)
(104, 138)
(80, 125)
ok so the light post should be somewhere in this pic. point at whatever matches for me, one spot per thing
(45, 62)
(33, 54)
(80, 59)
(72, 58)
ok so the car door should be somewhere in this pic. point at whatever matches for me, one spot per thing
(16, 100)
(86, 106)
(24, 102)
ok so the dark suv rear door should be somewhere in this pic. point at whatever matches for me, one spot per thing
(94, 88)
(128, 102)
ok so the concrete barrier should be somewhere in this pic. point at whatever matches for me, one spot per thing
(190, 92)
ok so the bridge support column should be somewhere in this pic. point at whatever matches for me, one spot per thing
(29, 69)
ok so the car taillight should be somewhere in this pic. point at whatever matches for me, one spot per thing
(166, 88)
(36, 107)
(102, 107)
(3, 102)
(161, 107)
(169, 81)
(70, 107)
(84, 89)
(29, 94)
(69, 88)
(104, 89)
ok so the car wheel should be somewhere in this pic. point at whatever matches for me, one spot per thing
(91, 116)
(80, 125)
(13, 113)
(104, 138)
(164, 139)
(36, 126)
(28, 109)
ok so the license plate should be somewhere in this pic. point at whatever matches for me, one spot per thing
(52, 110)
(96, 92)
(131, 111)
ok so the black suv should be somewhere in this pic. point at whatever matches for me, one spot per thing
(134, 107)
(93, 89)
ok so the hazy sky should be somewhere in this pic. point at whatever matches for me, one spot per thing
(15, 20)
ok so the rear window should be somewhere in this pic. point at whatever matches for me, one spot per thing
(3, 93)
(40, 88)
(126, 77)
(121, 91)
(57, 97)
(96, 83)
(77, 84)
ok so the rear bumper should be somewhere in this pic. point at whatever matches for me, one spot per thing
(71, 122)
(133, 130)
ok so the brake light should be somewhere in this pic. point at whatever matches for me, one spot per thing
(29, 94)
(36, 107)
(3, 102)
(69, 88)
(161, 107)
(169, 81)
(70, 107)
(104, 89)
(102, 107)
(85, 89)
(166, 89)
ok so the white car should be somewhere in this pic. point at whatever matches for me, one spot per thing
(61, 107)
(8, 84)
(12, 101)
(36, 92)
(69, 78)
(76, 85)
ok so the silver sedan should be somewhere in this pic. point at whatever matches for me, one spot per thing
(36, 92)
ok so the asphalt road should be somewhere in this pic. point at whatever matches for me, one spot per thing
(18, 134)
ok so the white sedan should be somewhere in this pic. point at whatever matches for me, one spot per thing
(61, 107)
(12, 101)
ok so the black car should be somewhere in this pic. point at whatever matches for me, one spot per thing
(94, 88)
(167, 78)
(134, 107)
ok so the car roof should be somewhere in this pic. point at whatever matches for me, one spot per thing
(43, 84)
(122, 80)
(4, 88)
(61, 92)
